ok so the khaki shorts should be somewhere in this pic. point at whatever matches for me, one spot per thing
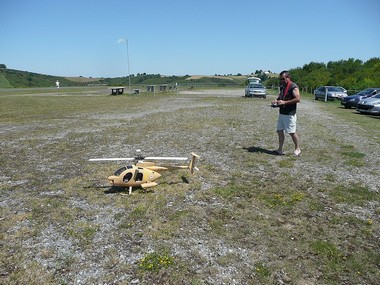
(287, 123)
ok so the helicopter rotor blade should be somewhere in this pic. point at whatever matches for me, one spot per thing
(112, 159)
(166, 158)
(140, 158)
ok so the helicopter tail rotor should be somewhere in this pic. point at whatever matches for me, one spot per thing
(192, 167)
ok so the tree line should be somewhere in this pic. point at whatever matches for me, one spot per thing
(352, 74)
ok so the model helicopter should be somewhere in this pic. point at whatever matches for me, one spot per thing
(143, 173)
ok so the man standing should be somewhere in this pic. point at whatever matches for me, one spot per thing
(57, 84)
(287, 101)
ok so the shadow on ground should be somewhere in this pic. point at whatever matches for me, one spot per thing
(260, 150)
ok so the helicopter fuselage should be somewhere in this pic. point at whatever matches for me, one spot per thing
(134, 176)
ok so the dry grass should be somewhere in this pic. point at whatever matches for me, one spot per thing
(193, 77)
(247, 217)
(83, 79)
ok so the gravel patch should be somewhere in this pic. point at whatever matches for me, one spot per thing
(60, 224)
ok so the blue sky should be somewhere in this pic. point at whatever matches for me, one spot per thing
(174, 37)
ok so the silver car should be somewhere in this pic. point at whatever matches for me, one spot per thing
(256, 90)
(369, 105)
(333, 92)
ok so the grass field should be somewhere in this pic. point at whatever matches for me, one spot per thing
(247, 217)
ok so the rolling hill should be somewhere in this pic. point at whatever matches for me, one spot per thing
(11, 78)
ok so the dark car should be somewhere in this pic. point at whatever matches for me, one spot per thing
(351, 101)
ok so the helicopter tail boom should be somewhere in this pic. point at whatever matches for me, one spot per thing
(191, 167)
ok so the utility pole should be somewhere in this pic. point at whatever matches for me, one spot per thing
(121, 40)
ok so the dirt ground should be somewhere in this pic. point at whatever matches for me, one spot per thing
(247, 217)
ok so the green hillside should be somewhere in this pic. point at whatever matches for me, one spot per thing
(4, 83)
(10, 78)
(19, 79)
(157, 79)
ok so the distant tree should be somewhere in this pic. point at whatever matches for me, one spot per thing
(273, 81)
(262, 76)
(312, 66)
(311, 75)
(339, 70)
(316, 78)
(371, 72)
(372, 63)
(3, 66)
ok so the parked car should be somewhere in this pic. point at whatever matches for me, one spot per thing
(333, 92)
(352, 101)
(341, 89)
(369, 105)
(256, 90)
